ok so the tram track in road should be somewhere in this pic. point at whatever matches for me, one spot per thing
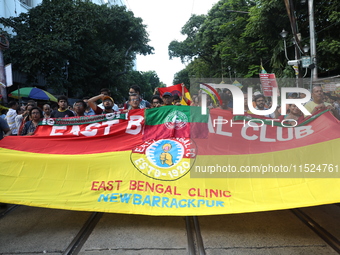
(8, 210)
(195, 241)
(330, 239)
(66, 232)
(80, 239)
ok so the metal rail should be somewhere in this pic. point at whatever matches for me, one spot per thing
(8, 210)
(320, 231)
(190, 235)
(77, 243)
(195, 241)
(199, 239)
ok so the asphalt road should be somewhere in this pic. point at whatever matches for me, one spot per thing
(31, 230)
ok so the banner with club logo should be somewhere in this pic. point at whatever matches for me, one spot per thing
(172, 161)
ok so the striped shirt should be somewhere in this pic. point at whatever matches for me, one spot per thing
(10, 118)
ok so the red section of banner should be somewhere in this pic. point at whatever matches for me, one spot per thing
(100, 137)
(244, 137)
(225, 137)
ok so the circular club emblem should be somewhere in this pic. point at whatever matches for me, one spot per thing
(176, 120)
(176, 92)
(48, 121)
(165, 159)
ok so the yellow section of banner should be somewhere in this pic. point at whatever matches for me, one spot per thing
(109, 182)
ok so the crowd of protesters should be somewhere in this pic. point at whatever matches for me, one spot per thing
(23, 120)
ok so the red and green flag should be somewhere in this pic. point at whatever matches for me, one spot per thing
(176, 90)
(175, 121)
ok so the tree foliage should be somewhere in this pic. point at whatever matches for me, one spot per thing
(238, 35)
(78, 47)
(148, 81)
(190, 47)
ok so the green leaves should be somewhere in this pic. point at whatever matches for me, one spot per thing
(241, 34)
(77, 45)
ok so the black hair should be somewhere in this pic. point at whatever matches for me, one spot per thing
(12, 103)
(136, 88)
(18, 110)
(31, 101)
(157, 97)
(176, 97)
(36, 108)
(105, 90)
(63, 98)
(259, 96)
(81, 102)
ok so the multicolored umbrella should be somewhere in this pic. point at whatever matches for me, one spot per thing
(33, 93)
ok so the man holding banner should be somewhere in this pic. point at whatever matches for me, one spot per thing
(318, 102)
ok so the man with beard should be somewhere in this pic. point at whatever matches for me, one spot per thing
(107, 103)
(107, 92)
(260, 102)
(319, 103)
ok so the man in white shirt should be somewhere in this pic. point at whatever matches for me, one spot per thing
(107, 92)
(10, 117)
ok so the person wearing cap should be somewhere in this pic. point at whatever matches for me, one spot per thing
(107, 92)
(107, 103)
(62, 111)
(167, 98)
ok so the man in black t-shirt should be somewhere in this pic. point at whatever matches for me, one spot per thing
(62, 111)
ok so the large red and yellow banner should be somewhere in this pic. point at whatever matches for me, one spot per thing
(221, 166)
